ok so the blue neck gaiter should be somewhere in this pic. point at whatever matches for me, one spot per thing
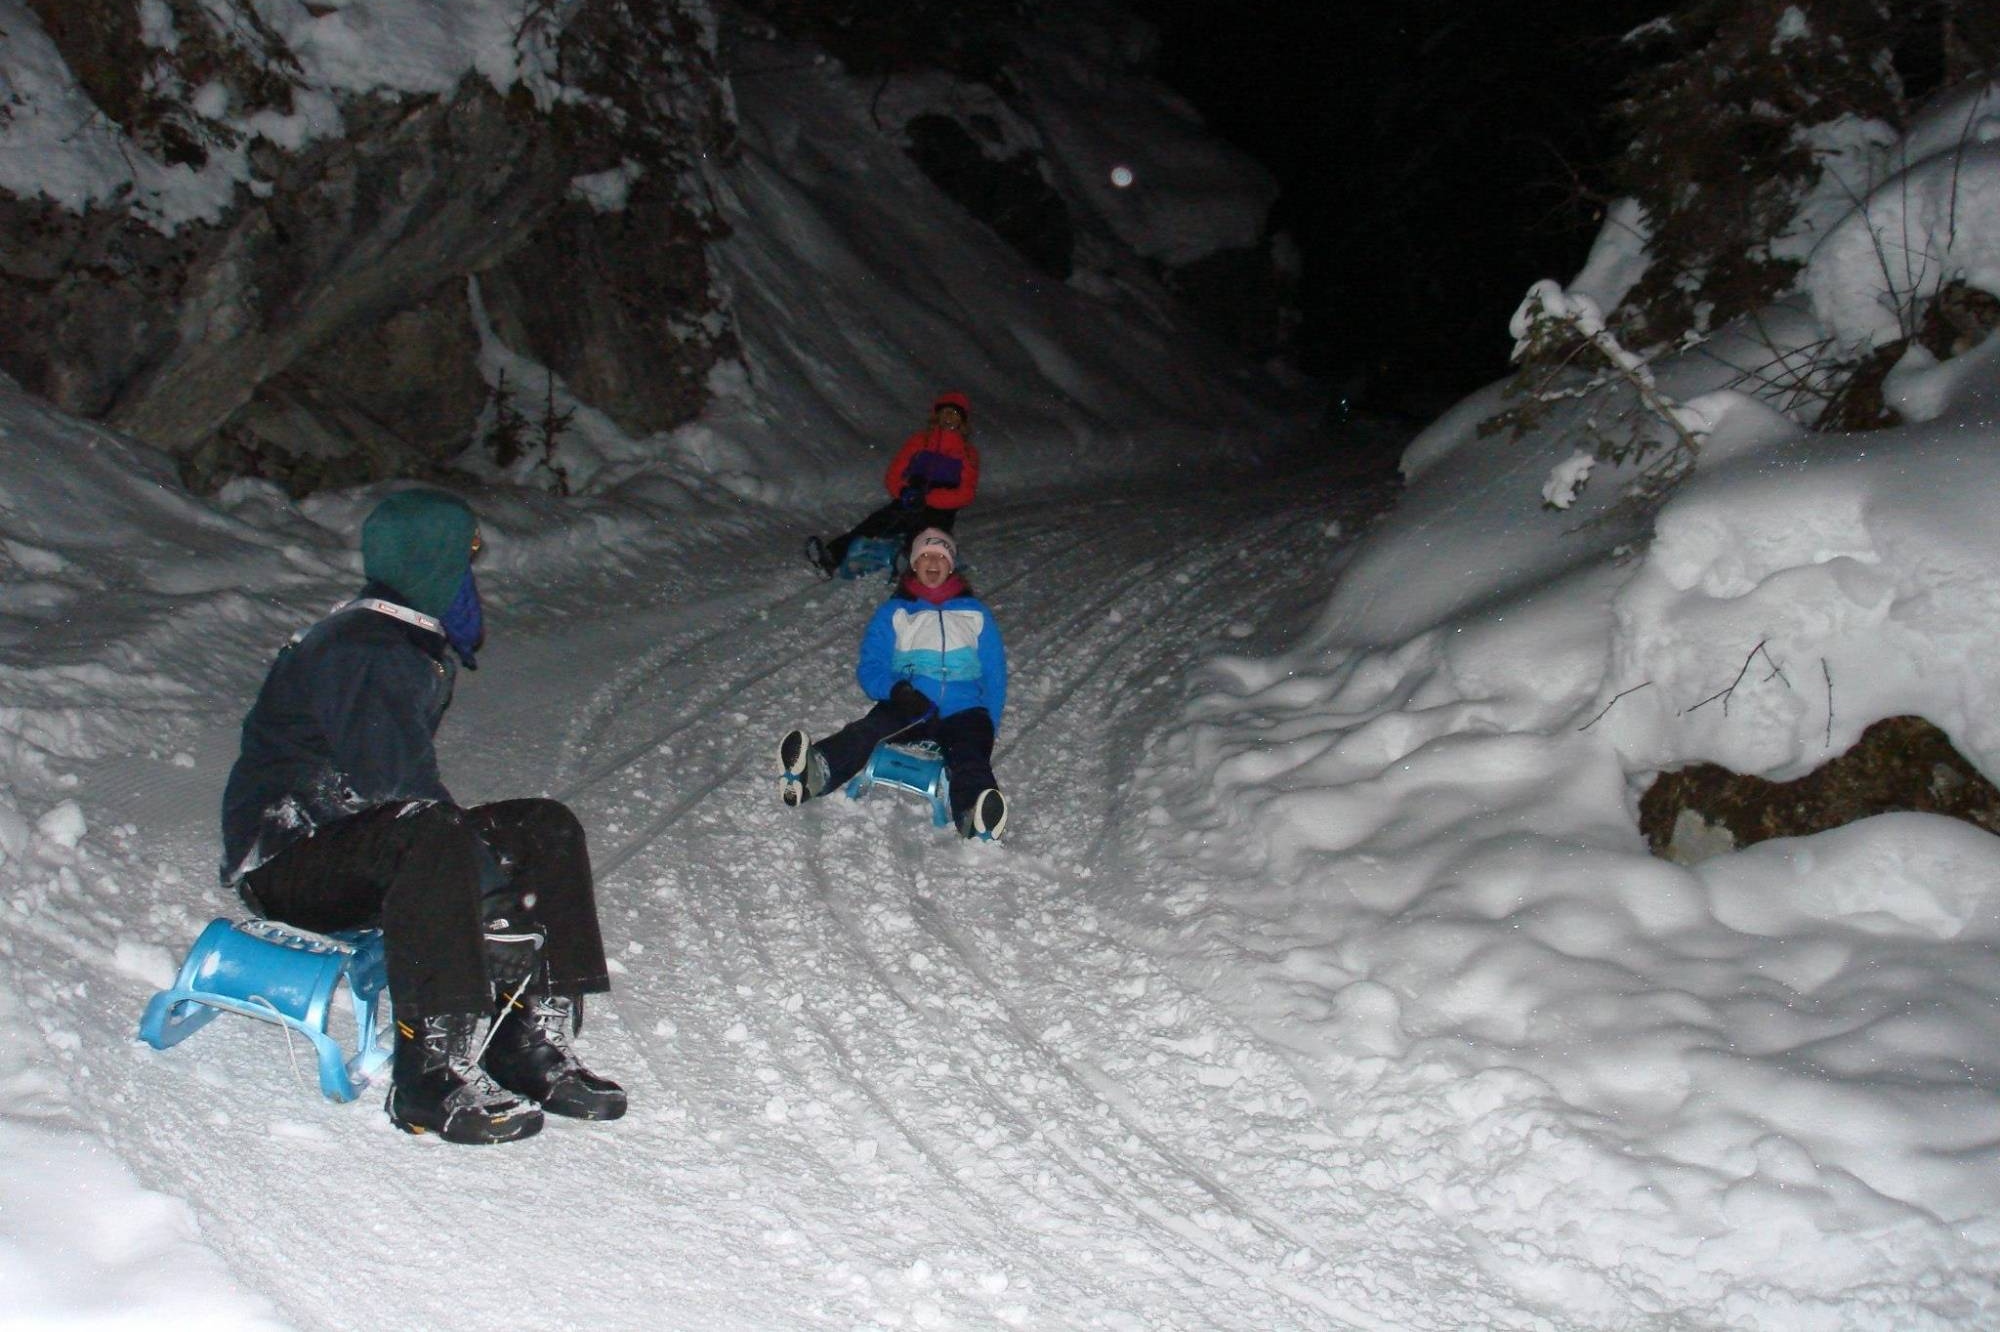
(464, 622)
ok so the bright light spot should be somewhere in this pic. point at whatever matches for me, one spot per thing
(1121, 176)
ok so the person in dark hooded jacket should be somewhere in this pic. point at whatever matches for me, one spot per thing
(932, 477)
(335, 817)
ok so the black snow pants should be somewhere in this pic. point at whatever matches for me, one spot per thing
(415, 870)
(892, 519)
(965, 737)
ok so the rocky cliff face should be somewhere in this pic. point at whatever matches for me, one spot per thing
(317, 326)
(262, 240)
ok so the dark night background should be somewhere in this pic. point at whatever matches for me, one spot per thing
(1436, 158)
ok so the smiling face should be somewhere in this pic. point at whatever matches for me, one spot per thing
(932, 568)
(950, 418)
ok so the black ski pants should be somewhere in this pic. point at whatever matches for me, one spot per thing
(414, 869)
(892, 519)
(965, 737)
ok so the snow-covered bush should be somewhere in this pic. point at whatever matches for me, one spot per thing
(1567, 351)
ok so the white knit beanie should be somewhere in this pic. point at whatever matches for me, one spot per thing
(935, 538)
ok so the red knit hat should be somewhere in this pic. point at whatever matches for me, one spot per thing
(953, 398)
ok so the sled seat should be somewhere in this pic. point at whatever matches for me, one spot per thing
(267, 970)
(916, 766)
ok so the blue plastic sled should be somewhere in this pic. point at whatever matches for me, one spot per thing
(871, 555)
(916, 766)
(266, 970)
(867, 556)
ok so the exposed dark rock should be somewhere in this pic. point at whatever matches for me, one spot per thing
(87, 301)
(1007, 194)
(640, 350)
(396, 397)
(142, 89)
(354, 228)
(970, 38)
(99, 40)
(317, 331)
(1899, 763)
(1242, 297)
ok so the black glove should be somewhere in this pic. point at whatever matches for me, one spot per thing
(909, 700)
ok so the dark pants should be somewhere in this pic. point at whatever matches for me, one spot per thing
(965, 737)
(415, 871)
(892, 519)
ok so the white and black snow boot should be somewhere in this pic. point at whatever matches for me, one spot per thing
(985, 817)
(529, 1053)
(802, 769)
(436, 1087)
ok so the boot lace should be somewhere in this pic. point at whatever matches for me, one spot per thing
(477, 1092)
(553, 1016)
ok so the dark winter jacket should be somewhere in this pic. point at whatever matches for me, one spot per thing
(344, 722)
(345, 719)
(950, 651)
(941, 464)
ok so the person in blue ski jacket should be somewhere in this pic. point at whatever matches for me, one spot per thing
(932, 659)
(335, 817)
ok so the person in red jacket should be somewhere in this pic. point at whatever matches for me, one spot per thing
(931, 478)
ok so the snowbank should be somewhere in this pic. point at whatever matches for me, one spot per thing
(1760, 1090)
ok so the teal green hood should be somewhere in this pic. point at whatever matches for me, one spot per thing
(419, 542)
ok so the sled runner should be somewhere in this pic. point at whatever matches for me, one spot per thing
(266, 970)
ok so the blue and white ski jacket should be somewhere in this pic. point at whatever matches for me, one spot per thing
(950, 651)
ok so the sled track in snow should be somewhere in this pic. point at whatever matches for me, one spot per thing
(841, 1044)
(1118, 1175)
(1189, 587)
(1091, 1082)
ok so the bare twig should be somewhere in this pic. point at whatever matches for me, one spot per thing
(1608, 706)
(875, 102)
(1957, 169)
(1777, 673)
(1827, 671)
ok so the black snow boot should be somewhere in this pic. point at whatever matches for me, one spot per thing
(985, 817)
(802, 769)
(436, 1087)
(530, 1054)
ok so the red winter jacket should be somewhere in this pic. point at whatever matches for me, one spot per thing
(941, 461)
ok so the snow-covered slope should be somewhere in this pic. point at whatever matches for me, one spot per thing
(859, 293)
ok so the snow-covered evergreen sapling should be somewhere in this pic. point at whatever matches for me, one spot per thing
(1584, 361)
